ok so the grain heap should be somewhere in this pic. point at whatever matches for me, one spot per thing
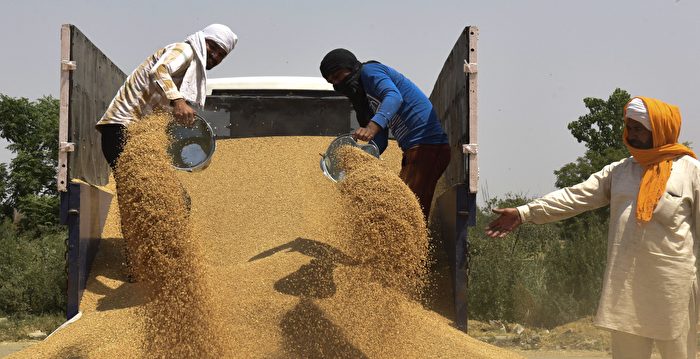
(282, 268)
(158, 237)
(387, 232)
(382, 238)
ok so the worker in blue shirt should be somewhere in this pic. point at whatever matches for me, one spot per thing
(384, 100)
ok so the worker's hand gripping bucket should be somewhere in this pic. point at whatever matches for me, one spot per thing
(192, 146)
(329, 161)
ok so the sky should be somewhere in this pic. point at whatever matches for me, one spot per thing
(537, 60)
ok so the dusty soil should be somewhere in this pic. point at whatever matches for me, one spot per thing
(7, 348)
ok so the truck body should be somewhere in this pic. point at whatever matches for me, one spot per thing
(253, 107)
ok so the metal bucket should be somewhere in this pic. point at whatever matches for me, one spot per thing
(192, 147)
(329, 162)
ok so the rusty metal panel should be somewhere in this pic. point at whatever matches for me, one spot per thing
(93, 83)
(454, 99)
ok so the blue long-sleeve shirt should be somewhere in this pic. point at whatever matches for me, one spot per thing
(398, 104)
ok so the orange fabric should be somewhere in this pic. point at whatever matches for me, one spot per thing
(657, 161)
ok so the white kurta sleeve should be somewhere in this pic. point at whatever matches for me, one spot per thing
(568, 202)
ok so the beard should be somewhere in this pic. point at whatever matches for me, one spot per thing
(640, 145)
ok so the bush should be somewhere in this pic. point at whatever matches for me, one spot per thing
(32, 268)
(506, 277)
(540, 275)
(16, 327)
(575, 267)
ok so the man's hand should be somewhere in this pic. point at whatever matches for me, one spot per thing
(508, 221)
(367, 133)
(184, 114)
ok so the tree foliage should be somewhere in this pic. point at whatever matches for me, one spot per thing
(29, 183)
(32, 270)
(32, 253)
(601, 132)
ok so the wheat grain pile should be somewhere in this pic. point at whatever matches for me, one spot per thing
(384, 223)
(287, 268)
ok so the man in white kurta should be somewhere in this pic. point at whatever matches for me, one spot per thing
(649, 286)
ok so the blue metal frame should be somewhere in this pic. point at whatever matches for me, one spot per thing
(457, 210)
(84, 210)
(70, 216)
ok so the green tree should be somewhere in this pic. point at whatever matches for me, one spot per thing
(29, 183)
(32, 255)
(601, 132)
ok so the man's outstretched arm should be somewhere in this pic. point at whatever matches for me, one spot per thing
(558, 205)
(507, 222)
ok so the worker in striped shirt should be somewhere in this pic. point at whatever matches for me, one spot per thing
(173, 76)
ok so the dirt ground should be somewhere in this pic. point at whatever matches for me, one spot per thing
(11, 347)
(552, 354)
(579, 354)
(7, 348)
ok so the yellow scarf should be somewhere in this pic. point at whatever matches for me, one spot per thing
(657, 161)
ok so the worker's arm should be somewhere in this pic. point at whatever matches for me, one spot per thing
(368, 132)
(382, 140)
(377, 81)
(176, 59)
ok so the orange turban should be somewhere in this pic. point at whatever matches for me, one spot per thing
(657, 161)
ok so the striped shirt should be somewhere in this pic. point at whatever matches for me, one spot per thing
(152, 85)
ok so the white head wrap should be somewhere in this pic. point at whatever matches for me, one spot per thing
(638, 112)
(222, 35)
(194, 83)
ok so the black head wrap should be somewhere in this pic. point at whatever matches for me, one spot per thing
(336, 60)
(351, 86)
